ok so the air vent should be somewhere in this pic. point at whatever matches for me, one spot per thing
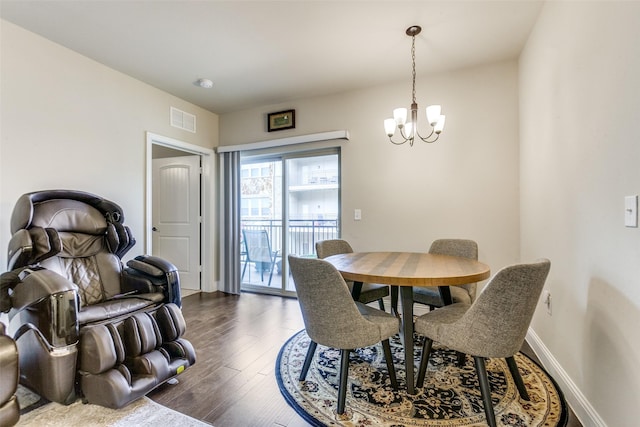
(183, 120)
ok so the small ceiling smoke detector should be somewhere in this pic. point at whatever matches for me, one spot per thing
(205, 83)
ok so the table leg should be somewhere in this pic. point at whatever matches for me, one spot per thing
(355, 291)
(406, 294)
(445, 294)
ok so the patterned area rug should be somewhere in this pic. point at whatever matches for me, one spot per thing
(451, 395)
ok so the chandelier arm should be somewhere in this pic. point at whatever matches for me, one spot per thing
(397, 142)
(402, 135)
(425, 138)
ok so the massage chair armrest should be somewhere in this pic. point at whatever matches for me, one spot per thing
(149, 272)
(46, 303)
(34, 285)
(29, 247)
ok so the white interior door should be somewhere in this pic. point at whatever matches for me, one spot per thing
(176, 216)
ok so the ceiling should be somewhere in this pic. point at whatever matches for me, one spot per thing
(267, 52)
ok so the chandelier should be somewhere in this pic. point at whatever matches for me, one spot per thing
(409, 130)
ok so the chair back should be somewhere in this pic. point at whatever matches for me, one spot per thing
(461, 248)
(85, 258)
(496, 323)
(330, 315)
(325, 248)
(257, 245)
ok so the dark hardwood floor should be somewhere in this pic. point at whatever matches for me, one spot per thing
(237, 340)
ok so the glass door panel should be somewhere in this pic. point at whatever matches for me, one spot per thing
(261, 223)
(308, 210)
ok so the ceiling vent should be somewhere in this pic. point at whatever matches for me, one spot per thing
(183, 120)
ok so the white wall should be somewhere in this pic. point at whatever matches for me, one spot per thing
(580, 156)
(70, 122)
(465, 185)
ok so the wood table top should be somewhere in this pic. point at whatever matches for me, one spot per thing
(409, 268)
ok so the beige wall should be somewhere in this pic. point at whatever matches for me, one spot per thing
(550, 183)
(465, 185)
(580, 156)
(70, 122)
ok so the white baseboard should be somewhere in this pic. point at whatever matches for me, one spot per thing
(583, 410)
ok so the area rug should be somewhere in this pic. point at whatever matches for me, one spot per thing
(450, 397)
(141, 412)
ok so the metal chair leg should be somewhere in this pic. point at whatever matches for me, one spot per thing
(462, 358)
(386, 347)
(273, 264)
(424, 361)
(513, 368)
(342, 385)
(381, 304)
(394, 300)
(485, 389)
(307, 360)
(243, 270)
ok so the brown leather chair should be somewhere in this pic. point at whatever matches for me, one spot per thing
(9, 372)
(66, 275)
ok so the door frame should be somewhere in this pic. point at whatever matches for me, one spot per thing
(207, 161)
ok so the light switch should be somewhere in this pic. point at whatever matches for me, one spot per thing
(631, 211)
(357, 214)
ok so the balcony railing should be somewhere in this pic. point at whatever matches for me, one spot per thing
(302, 233)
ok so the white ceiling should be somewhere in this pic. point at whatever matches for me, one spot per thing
(267, 52)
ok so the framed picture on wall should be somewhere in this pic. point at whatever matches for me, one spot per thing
(281, 120)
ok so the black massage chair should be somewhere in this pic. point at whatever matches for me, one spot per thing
(83, 322)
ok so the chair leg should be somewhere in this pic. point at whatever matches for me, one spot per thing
(386, 347)
(424, 361)
(381, 304)
(342, 385)
(394, 300)
(307, 360)
(513, 368)
(462, 358)
(273, 264)
(243, 270)
(485, 389)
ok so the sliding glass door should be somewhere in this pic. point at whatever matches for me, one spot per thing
(288, 202)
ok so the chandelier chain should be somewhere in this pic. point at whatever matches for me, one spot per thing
(413, 62)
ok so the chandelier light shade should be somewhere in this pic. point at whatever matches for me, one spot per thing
(408, 130)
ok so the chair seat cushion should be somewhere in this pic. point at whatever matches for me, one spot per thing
(117, 307)
(431, 295)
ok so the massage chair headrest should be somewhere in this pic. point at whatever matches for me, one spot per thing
(65, 210)
(46, 213)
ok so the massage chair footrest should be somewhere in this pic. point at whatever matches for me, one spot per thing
(124, 360)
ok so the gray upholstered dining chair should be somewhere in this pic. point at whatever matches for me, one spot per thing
(370, 291)
(464, 293)
(333, 319)
(495, 325)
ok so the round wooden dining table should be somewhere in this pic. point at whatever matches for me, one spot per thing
(406, 270)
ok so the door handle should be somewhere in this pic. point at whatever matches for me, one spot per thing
(154, 229)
